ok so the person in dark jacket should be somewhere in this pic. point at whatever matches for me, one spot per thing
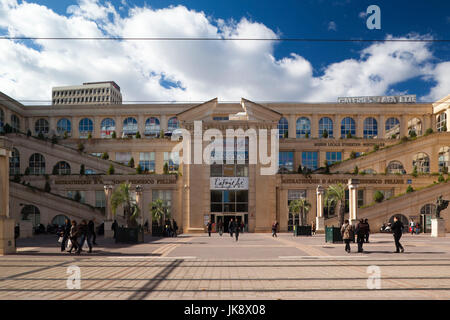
(274, 229)
(366, 221)
(209, 227)
(397, 230)
(361, 231)
(114, 227)
(73, 237)
(220, 227)
(65, 234)
(231, 226)
(91, 226)
(84, 233)
(347, 235)
(175, 228)
(237, 229)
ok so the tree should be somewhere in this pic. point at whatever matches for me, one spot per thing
(300, 207)
(428, 131)
(138, 135)
(166, 168)
(66, 135)
(47, 187)
(412, 134)
(325, 134)
(122, 197)
(300, 169)
(327, 167)
(7, 128)
(378, 196)
(114, 135)
(41, 136)
(159, 211)
(161, 133)
(27, 171)
(28, 133)
(138, 169)
(110, 169)
(349, 135)
(105, 156)
(307, 135)
(54, 139)
(77, 196)
(131, 163)
(353, 155)
(82, 170)
(414, 173)
(441, 178)
(409, 189)
(356, 170)
(335, 195)
(80, 147)
(89, 136)
(286, 135)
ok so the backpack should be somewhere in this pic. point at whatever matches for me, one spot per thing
(348, 232)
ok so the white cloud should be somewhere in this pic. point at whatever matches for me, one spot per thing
(332, 26)
(228, 70)
(362, 14)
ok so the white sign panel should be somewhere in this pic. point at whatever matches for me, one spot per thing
(379, 99)
(229, 183)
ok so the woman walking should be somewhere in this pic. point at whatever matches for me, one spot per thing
(73, 237)
(274, 229)
(347, 234)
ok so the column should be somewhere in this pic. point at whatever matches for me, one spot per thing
(320, 221)
(353, 200)
(359, 126)
(108, 212)
(139, 201)
(7, 239)
(314, 126)
(337, 126)
(119, 126)
(292, 125)
(141, 124)
(447, 121)
(403, 126)
(75, 132)
(163, 122)
(52, 126)
(381, 127)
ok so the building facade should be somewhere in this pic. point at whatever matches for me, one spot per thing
(387, 146)
(107, 92)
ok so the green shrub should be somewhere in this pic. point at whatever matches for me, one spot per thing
(27, 171)
(110, 169)
(82, 170)
(325, 134)
(441, 178)
(138, 135)
(414, 173)
(428, 131)
(105, 156)
(114, 135)
(378, 196)
(356, 170)
(353, 155)
(77, 196)
(80, 147)
(139, 169)
(47, 187)
(166, 168)
(409, 189)
(131, 163)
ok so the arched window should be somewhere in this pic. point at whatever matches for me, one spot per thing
(348, 126)
(422, 162)
(152, 127)
(283, 128)
(415, 125)
(325, 125)
(15, 123)
(41, 126)
(14, 162)
(2, 120)
(429, 208)
(31, 213)
(370, 171)
(441, 122)
(37, 164)
(107, 127)
(59, 220)
(62, 168)
(395, 167)
(130, 126)
(303, 127)
(62, 126)
(392, 128)
(444, 159)
(370, 129)
(172, 124)
(85, 127)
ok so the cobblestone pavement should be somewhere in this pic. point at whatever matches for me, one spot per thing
(255, 267)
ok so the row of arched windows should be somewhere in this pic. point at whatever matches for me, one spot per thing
(348, 127)
(36, 164)
(15, 122)
(107, 126)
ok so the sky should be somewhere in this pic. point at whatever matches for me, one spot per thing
(187, 71)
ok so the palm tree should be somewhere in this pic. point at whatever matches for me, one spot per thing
(158, 210)
(122, 196)
(300, 207)
(335, 195)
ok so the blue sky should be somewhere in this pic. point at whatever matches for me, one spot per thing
(337, 19)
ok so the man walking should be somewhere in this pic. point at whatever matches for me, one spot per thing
(366, 221)
(91, 226)
(397, 230)
(231, 227)
(220, 227)
(85, 236)
(274, 229)
(347, 234)
(66, 234)
(361, 230)
(237, 230)
(209, 228)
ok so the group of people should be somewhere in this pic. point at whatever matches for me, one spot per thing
(73, 235)
(414, 227)
(170, 228)
(362, 232)
(234, 227)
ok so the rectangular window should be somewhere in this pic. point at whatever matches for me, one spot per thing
(229, 200)
(123, 157)
(294, 195)
(309, 159)
(173, 160)
(73, 194)
(165, 196)
(147, 161)
(333, 157)
(100, 199)
(221, 118)
(360, 198)
(286, 161)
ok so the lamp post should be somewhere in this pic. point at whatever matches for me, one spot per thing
(139, 191)
(108, 232)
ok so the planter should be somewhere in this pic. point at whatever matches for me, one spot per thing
(157, 231)
(130, 235)
(333, 234)
(302, 231)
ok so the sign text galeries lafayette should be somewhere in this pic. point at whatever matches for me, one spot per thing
(229, 183)
(379, 99)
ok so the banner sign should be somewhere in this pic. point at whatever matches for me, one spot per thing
(229, 183)
(379, 99)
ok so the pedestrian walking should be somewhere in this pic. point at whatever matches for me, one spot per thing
(361, 230)
(366, 221)
(175, 228)
(347, 233)
(65, 234)
(237, 229)
(91, 226)
(114, 227)
(231, 225)
(412, 226)
(397, 231)
(274, 229)
(417, 228)
(220, 227)
(85, 236)
(242, 226)
(313, 228)
(209, 228)
(73, 237)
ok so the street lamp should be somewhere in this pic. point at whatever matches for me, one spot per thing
(139, 191)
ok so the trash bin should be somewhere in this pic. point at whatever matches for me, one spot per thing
(333, 234)
(302, 230)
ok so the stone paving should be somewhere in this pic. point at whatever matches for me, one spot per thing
(257, 266)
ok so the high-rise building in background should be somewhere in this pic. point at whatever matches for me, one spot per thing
(105, 92)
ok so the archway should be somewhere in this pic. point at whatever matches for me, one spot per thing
(426, 213)
(31, 213)
(415, 127)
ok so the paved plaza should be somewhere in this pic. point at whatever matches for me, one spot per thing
(256, 267)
